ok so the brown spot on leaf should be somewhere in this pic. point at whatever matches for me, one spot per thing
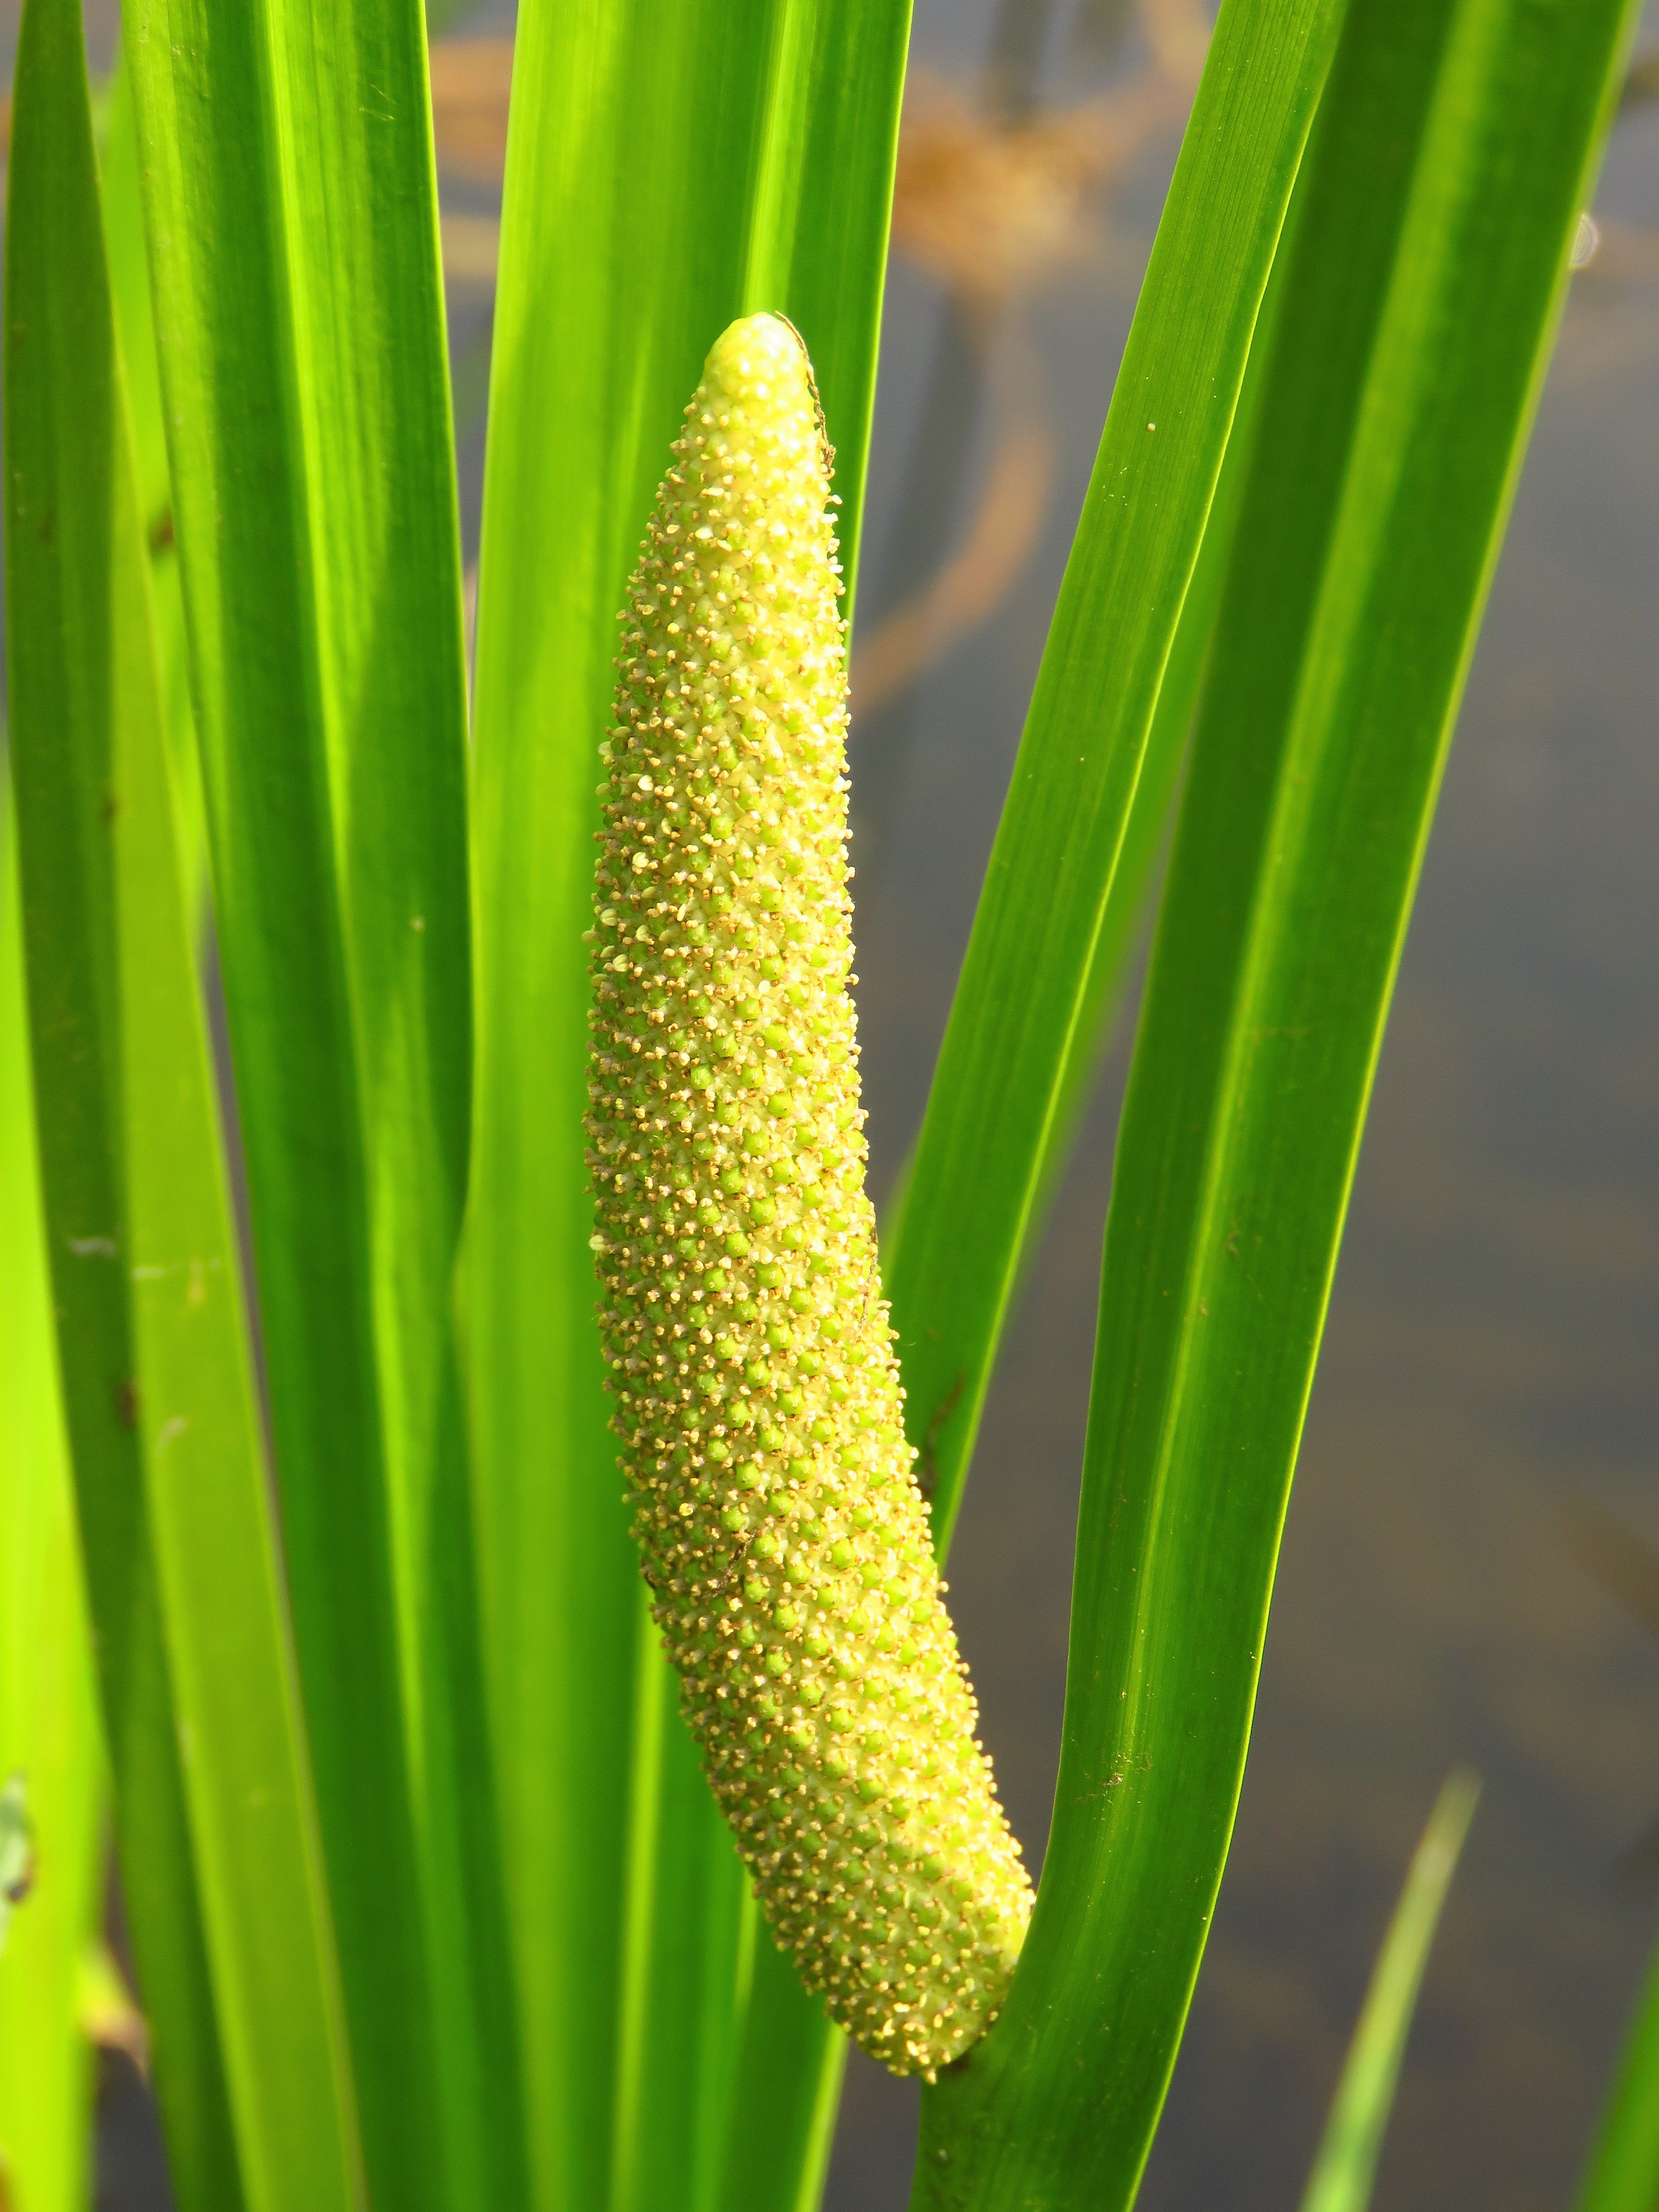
(928, 1461)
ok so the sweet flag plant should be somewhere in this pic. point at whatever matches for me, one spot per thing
(463, 1871)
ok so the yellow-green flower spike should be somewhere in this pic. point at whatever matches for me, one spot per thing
(749, 1356)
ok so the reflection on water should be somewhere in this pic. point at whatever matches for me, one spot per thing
(1490, 1358)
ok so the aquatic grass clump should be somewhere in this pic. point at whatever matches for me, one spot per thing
(749, 1356)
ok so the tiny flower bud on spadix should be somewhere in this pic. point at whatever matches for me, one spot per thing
(747, 1342)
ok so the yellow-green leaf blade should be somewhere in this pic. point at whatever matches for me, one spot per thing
(292, 219)
(48, 1721)
(1347, 2162)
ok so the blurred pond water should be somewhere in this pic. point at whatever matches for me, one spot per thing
(1490, 1373)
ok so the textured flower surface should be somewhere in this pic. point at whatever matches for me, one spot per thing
(749, 1355)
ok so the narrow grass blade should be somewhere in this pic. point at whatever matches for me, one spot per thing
(1454, 152)
(767, 184)
(48, 1724)
(1623, 2174)
(218, 1852)
(1009, 1054)
(1347, 2163)
(293, 226)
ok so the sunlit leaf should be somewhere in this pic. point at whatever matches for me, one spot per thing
(1347, 2164)
(215, 1827)
(1453, 150)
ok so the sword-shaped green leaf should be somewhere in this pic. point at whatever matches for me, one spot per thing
(48, 1722)
(1454, 151)
(291, 215)
(216, 1830)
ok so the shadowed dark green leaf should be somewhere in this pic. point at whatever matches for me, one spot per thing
(665, 174)
(291, 213)
(1454, 151)
(219, 1864)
